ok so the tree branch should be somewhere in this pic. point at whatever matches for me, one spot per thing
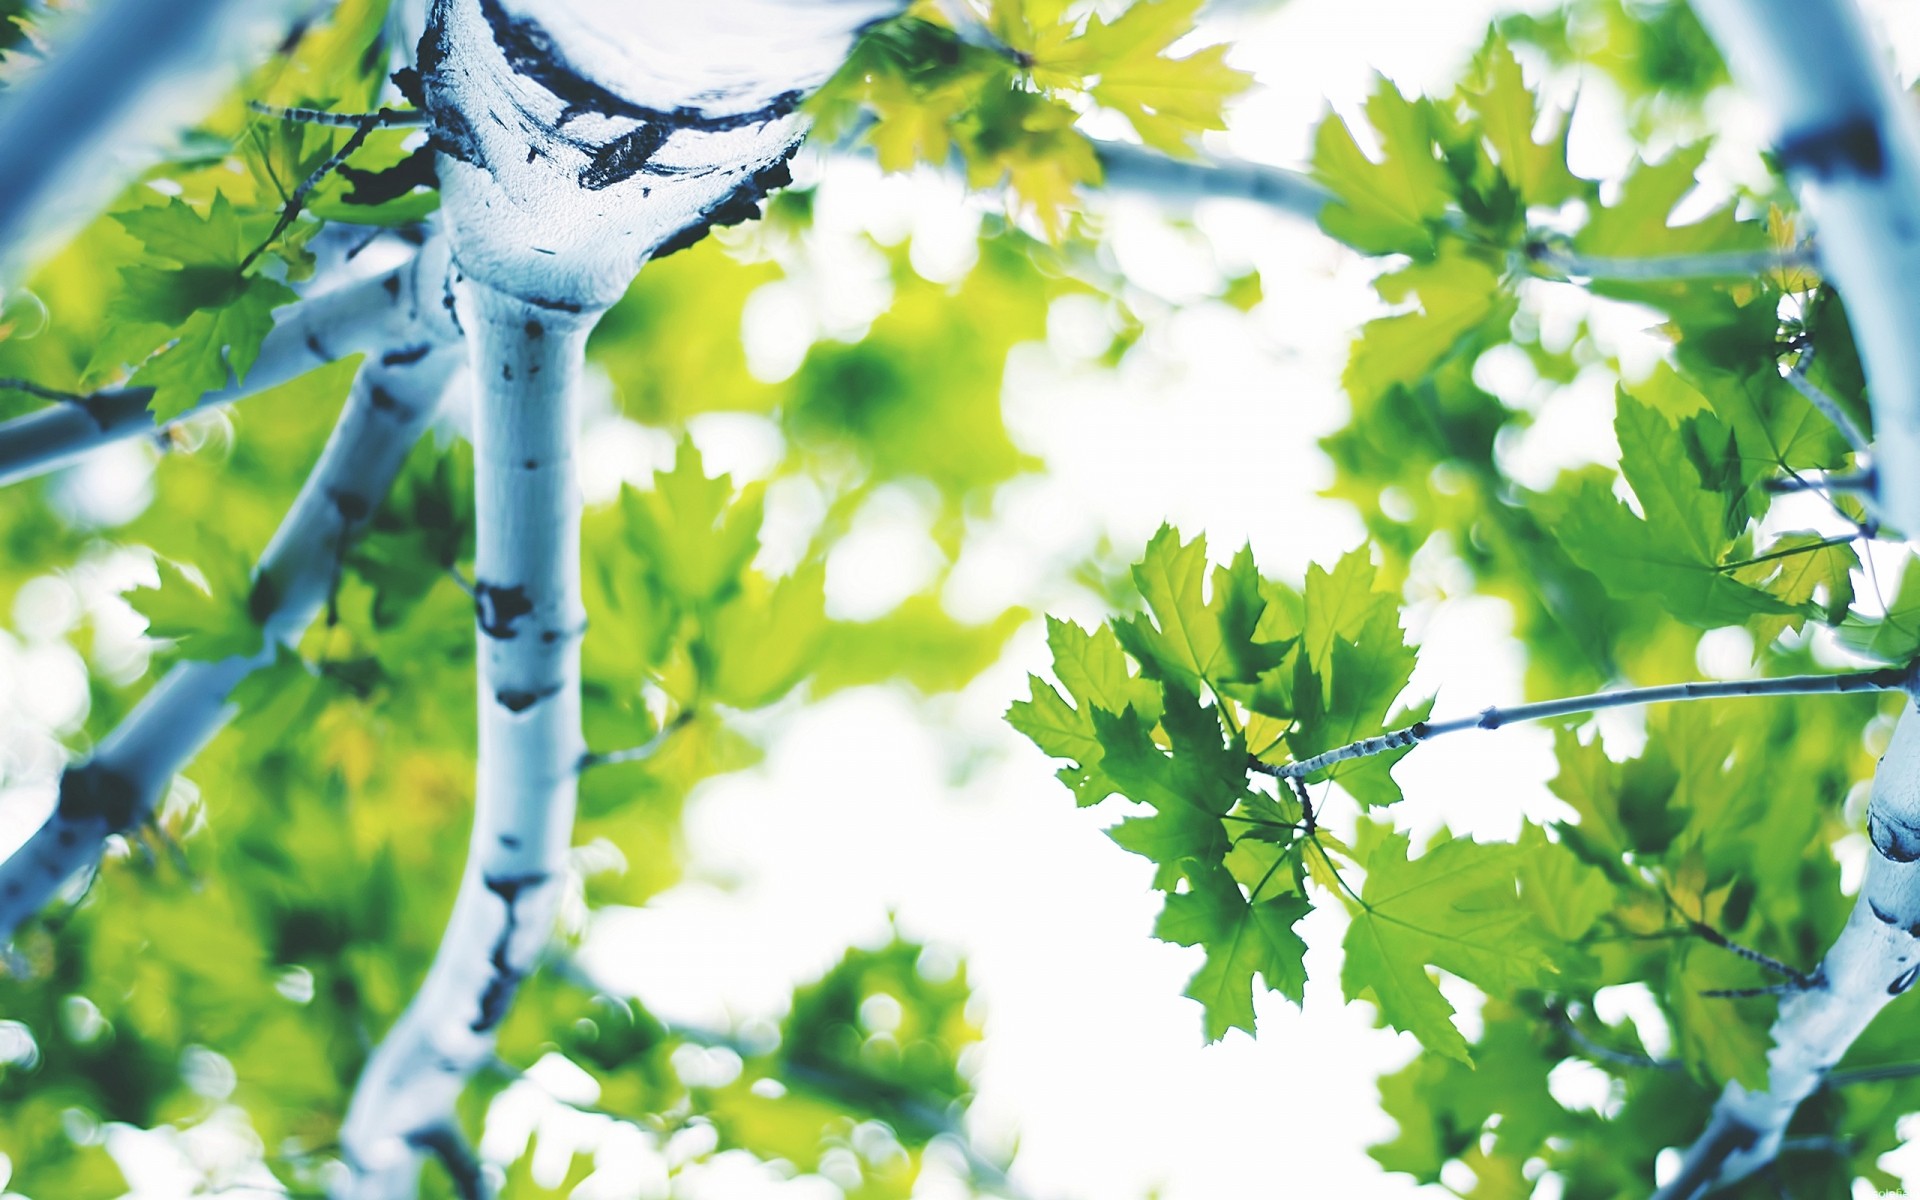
(526, 361)
(684, 140)
(1138, 169)
(117, 789)
(1881, 679)
(1728, 265)
(135, 72)
(1849, 142)
(310, 333)
(1875, 958)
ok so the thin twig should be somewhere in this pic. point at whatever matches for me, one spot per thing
(1748, 993)
(1857, 481)
(1881, 679)
(30, 388)
(644, 750)
(386, 118)
(1872, 1074)
(1675, 267)
(1619, 1058)
(1799, 979)
(298, 200)
(1827, 405)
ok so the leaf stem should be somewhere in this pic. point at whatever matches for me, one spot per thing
(1879, 679)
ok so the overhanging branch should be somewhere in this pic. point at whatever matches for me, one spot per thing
(117, 788)
(310, 333)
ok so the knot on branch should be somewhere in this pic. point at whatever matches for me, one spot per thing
(1893, 839)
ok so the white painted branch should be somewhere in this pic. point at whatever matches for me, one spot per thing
(581, 138)
(350, 319)
(577, 140)
(530, 617)
(1126, 168)
(116, 789)
(1880, 679)
(1875, 958)
(76, 131)
(1849, 140)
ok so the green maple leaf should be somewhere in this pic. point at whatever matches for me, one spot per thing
(762, 642)
(1567, 895)
(1190, 789)
(210, 620)
(1459, 296)
(1354, 662)
(1677, 552)
(1241, 938)
(1636, 223)
(1894, 637)
(1094, 672)
(1509, 112)
(1390, 206)
(1190, 639)
(694, 533)
(1796, 569)
(190, 302)
(1454, 907)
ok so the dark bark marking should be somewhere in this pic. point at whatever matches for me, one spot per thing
(535, 331)
(499, 607)
(1904, 981)
(353, 508)
(381, 399)
(420, 169)
(263, 598)
(506, 372)
(506, 977)
(315, 348)
(623, 157)
(741, 204)
(392, 285)
(447, 128)
(510, 841)
(1849, 147)
(531, 53)
(407, 356)
(516, 701)
(1885, 918)
(408, 81)
(91, 792)
(566, 306)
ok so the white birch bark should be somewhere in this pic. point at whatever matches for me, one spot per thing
(95, 115)
(1875, 958)
(1849, 140)
(577, 139)
(351, 319)
(530, 619)
(117, 788)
